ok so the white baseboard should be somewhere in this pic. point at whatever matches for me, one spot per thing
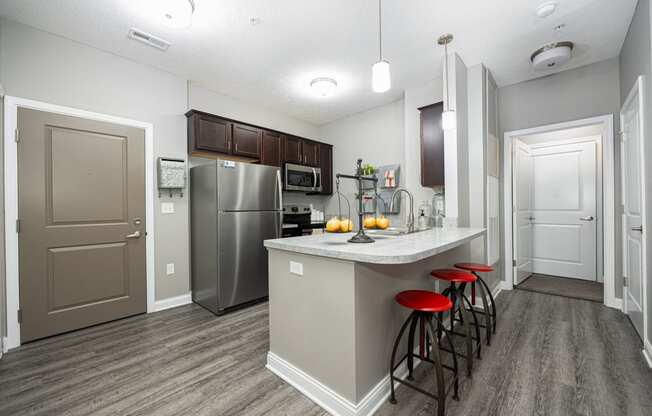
(163, 304)
(326, 398)
(616, 303)
(647, 352)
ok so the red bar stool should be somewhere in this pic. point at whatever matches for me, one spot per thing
(458, 279)
(425, 306)
(476, 268)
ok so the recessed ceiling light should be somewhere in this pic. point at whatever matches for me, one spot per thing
(176, 13)
(323, 86)
(546, 9)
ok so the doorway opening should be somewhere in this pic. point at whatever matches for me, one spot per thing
(559, 210)
(557, 216)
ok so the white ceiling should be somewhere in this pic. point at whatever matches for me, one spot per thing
(272, 63)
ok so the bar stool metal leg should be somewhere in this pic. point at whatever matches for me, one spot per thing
(488, 319)
(392, 397)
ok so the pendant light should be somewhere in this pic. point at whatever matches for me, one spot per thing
(381, 80)
(448, 118)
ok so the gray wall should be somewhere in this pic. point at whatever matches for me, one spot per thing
(635, 60)
(588, 91)
(583, 92)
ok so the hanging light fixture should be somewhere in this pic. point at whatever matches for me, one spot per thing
(381, 80)
(448, 118)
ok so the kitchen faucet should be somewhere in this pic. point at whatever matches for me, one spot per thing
(410, 220)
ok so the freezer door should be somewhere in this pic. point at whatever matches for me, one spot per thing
(248, 187)
(242, 256)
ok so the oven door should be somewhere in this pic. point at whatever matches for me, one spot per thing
(302, 178)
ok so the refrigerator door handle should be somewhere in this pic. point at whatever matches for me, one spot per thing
(279, 184)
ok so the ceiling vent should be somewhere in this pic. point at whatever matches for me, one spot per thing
(149, 39)
(552, 55)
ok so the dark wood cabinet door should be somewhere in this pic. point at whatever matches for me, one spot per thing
(292, 147)
(310, 152)
(246, 140)
(210, 133)
(326, 165)
(272, 148)
(432, 146)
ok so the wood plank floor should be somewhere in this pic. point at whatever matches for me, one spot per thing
(551, 356)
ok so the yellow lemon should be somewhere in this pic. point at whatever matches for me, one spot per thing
(333, 225)
(370, 222)
(382, 223)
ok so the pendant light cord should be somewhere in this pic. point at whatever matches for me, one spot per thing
(446, 73)
(380, 29)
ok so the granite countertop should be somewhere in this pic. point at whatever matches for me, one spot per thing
(400, 249)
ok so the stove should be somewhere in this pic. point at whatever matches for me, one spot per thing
(297, 222)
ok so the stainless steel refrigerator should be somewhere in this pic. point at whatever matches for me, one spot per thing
(234, 208)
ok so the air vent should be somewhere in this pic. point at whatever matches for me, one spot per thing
(149, 39)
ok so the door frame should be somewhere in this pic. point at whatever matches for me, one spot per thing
(639, 89)
(608, 200)
(12, 104)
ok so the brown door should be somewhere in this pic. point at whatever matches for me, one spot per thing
(292, 149)
(81, 205)
(310, 153)
(211, 133)
(271, 149)
(246, 140)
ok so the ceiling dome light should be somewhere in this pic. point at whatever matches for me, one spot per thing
(552, 55)
(546, 9)
(323, 87)
(176, 13)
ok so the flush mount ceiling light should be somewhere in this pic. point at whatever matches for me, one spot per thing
(546, 9)
(176, 13)
(552, 55)
(323, 87)
(381, 79)
(448, 118)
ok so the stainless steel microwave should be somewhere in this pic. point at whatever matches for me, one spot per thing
(302, 178)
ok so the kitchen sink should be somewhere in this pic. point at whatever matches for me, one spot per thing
(394, 231)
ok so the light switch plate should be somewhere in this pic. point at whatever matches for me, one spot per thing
(169, 268)
(296, 268)
(167, 207)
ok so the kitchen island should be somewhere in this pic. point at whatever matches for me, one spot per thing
(333, 318)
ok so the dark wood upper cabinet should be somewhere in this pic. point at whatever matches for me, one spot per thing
(432, 145)
(326, 165)
(293, 149)
(272, 149)
(246, 140)
(310, 152)
(209, 133)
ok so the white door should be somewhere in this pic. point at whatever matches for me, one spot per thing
(564, 209)
(632, 173)
(522, 196)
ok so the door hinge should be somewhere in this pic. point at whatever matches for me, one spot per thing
(514, 263)
(20, 316)
(17, 226)
(16, 136)
(621, 135)
(625, 282)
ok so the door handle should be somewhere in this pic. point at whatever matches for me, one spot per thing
(133, 235)
(589, 218)
(639, 228)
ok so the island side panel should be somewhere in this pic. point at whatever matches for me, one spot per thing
(379, 318)
(311, 318)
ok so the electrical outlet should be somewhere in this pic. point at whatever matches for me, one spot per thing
(296, 268)
(167, 207)
(169, 268)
